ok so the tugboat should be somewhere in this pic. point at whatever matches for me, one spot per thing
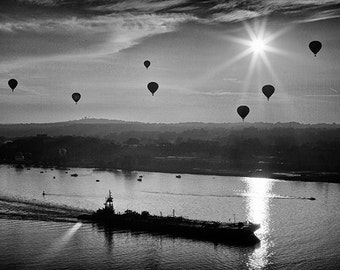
(236, 232)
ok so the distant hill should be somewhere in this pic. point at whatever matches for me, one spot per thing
(105, 127)
(258, 149)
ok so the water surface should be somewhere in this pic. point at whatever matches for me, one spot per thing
(296, 233)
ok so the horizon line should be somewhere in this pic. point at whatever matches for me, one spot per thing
(165, 123)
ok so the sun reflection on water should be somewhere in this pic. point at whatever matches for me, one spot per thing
(60, 243)
(258, 212)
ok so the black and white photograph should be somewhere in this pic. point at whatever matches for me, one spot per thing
(170, 134)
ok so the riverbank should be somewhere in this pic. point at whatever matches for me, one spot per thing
(305, 176)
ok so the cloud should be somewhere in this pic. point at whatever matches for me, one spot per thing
(222, 93)
(303, 11)
(100, 27)
(301, 2)
(51, 25)
(238, 15)
(321, 95)
(102, 34)
(213, 11)
(322, 15)
(18, 91)
(40, 2)
(129, 30)
(233, 80)
(138, 6)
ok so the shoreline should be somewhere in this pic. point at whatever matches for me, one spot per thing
(321, 177)
(303, 176)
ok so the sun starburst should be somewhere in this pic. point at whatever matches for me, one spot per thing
(257, 45)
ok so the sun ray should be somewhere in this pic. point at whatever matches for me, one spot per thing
(60, 243)
(270, 68)
(258, 43)
(250, 31)
(250, 72)
(277, 34)
(225, 65)
(263, 29)
(257, 46)
(276, 50)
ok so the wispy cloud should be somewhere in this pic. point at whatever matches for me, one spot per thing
(72, 24)
(222, 93)
(321, 15)
(210, 10)
(238, 15)
(322, 95)
(233, 80)
(128, 30)
(138, 5)
(97, 23)
(18, 91)
(110, 26)
(108, 34)
(40, 2)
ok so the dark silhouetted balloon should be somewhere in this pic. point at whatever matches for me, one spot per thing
(268, 90)
(12, 83)
(147, 63)
(76, 97)
(243, 111)
(62, 152)
(315, 46)
(152, 86)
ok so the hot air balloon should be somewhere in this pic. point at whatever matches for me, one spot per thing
(62, 152)
(268, 90)
(76, 97)
(12, 84)
(147, 63)
(152, 86)
(243, 111)
(315, 46)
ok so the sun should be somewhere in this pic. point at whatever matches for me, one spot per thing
(258, 45)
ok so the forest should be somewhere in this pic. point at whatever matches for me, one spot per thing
(309, 153)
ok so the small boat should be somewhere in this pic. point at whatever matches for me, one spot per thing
(139, 179)
(178, 176)
(97, 180)
(74, 174)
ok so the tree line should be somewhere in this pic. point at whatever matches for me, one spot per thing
(247, 150)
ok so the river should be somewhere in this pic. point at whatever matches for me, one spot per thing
(295, 233)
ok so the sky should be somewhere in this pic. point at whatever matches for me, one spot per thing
(203, 55)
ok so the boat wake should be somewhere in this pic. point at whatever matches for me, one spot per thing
(69, 195)
(17, 208)
(237, 195)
